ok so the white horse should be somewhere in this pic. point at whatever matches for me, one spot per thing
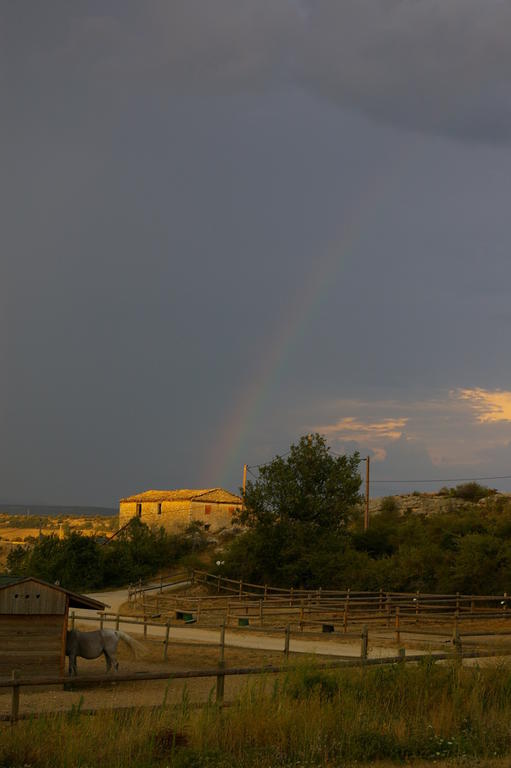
(90, 645)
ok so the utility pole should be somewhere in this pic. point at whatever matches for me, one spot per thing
(366, 512)
(244, 481)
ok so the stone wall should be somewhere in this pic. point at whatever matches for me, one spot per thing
(175, 516)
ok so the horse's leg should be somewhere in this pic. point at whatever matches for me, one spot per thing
(111, 661)
(110, 649)
(72, 664)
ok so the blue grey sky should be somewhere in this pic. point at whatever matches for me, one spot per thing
(226, 223)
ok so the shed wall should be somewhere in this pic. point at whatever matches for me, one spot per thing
(32, 598)
(35, 645)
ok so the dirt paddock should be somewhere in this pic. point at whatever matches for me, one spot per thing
(144, 694)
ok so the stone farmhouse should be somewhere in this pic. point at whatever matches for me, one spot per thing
(175, 510)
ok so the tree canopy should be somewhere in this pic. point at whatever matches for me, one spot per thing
(309, 486)
(297, 508)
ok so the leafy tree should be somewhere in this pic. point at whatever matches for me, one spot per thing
(310, 486)
(79, 562)
(297, 509)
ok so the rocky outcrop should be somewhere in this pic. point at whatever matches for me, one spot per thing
(434, 503)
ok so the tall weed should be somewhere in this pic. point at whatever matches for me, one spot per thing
(305, 717)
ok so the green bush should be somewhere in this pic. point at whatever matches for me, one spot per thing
(389, 505)
(81, 563)
(471, 492)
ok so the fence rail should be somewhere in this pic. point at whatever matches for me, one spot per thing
(16, 682)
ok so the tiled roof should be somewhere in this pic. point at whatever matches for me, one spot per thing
(218, 495)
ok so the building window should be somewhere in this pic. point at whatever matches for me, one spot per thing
(139, 510)
(207, 509)
(159, 509)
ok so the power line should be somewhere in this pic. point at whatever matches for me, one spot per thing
(447, 480)
(265, 463)
(397, 482)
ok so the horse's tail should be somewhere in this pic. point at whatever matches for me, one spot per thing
(137, 648)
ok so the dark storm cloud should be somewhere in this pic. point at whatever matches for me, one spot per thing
(173, 175)
(430, 65)
(437, 66)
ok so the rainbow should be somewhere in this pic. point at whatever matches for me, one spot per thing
(226, 458)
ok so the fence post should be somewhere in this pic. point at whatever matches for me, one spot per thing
(101, 620)
(301, 617)
(457, 601)
(73, 619)
(398, 632)
(380, 601)
(198, 609)
(417, 607)
(456, 641)
(364, 642)
(265, 591)
(387, 610)
(15, 702)
(117, 621)
(241, 589)
(291, 598)
(220, 678)
(166, 642)
(402, 654)
(286, 641)
(161, 584)
(261, 612)
(145, 626)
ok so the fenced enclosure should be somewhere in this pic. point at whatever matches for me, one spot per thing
(238, 603)
(451, 626)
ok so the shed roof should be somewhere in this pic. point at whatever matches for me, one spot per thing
(218, 495)
(75, 600)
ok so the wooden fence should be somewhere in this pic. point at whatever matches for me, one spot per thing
(16, 682)
(324, 610)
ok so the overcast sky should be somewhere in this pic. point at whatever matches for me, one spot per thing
(227, 223)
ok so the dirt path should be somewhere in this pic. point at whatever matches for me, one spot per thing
(273, 642)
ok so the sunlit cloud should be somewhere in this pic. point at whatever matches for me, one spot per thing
(464, 426)
(489, 406)
(371, 434)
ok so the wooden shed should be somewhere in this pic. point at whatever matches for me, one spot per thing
(33, 624)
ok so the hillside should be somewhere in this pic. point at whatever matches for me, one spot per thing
(436, 503)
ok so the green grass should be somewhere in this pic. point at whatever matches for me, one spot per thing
(304, 718)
